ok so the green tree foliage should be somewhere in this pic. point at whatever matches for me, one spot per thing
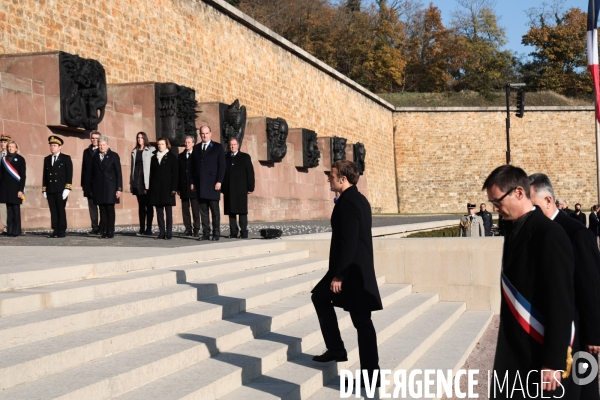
(559, 60)
(487, 67)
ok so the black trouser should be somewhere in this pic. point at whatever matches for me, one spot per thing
(93, 209)
(160, 216)
(107, 218)
(204, 205)
(367, 337)
(185, 212)
(233, 228)
(58, 215)
(13, 219)
(145, 213)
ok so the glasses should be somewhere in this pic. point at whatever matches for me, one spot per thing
(497, 202)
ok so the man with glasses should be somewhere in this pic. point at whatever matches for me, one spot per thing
(537, 307)
(471, 224)
(86, 174)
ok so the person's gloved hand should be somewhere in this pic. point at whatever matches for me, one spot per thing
(66, 194)
(45, 196)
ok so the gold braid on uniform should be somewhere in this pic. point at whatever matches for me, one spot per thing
(68, 186)
(466, 224)
(567, 370)
(43, 188)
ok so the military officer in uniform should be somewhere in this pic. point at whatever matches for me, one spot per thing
(57, 180)
(471, 224)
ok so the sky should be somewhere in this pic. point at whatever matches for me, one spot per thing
(512, 17)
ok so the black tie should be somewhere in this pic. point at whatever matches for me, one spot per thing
(53, 160)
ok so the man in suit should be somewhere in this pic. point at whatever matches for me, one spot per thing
(208, 159)
(238, 184)
(586, 277)
(579, 215)
(4, 139)
(487, 219)
(537, 306)
(86, 172)
(186, 194)
(350, 282)
(57, 183)
(106, 185)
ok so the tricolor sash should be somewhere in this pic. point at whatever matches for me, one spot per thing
(528, 317)
(11, 170)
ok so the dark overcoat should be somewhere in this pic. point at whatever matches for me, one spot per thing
(238, 181)
(184, 169)
(209, 168)
(9, 186)
(86, 170)
(107, 178)
(351, 254)
(163, 179)
(59, 176)
(586, 277)
(594, 223)
(538, 262)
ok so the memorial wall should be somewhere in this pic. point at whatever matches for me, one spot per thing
(171, 65)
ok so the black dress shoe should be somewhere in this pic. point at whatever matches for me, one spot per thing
(244, 235)
(204, 237)
(148, 232)
(169, 236)
(53, 235)
(104, 236)
(215, 238)
(110, 235)
(187, 233)
(160, 236)
(329, 355)
(233, 236)
(196, 233)
(61, 235)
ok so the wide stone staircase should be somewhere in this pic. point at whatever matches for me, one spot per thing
(230, 321)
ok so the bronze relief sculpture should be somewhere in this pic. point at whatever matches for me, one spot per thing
(175, 112)
(338, 148)
(277, 132)
(83, 95)
(359, 156)
(310, 149)
(234, 123)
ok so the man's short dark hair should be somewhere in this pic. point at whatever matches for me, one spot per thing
(577, 204)
(541, 183)
(348, 169)
(507, 177)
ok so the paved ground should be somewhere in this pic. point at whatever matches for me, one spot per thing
(125, 236)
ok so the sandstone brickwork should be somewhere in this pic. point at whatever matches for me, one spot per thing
(194, 44)
(443, 157)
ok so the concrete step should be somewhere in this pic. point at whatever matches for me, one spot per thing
(38, 325)
(220, 374)
(45, 357)
(406, 346)
(61, 294)
(36, 274)
(452, 350)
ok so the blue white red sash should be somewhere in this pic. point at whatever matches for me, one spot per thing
(528, 317)
(11, 170)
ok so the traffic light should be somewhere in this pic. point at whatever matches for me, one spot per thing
(520, 103)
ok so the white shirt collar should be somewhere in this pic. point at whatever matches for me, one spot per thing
(235, 154)
(206, 144)
(56, 155)
(555, 214)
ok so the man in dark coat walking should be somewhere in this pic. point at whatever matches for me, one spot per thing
(57, 184)
(107, 185)
(350, 282)
(86, 179)
(537, 306)
(208, 159)
(586, 259)
(238, 184)
(486, 216)
(186, 194)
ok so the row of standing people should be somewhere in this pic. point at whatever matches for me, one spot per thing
(198, 175)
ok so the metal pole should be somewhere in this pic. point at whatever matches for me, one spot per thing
(597, 152)
(508, 124)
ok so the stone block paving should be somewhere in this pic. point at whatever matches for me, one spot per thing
(125, 236)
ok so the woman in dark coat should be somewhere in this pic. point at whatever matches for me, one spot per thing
(12, 187)
(163, 186)
(139, 181)
(106, 185)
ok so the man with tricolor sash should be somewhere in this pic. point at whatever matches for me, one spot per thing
(4, 139)
(536, 333)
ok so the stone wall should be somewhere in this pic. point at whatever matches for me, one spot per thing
(222, 54)
(444, 155)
